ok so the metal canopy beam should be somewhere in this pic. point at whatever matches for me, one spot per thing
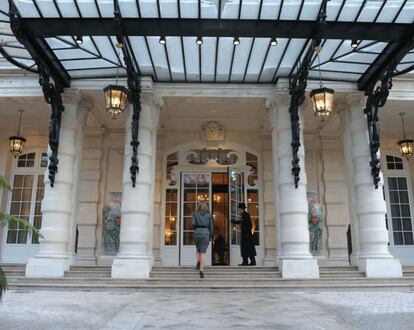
(393, 52)
(41, 53)
(50, 27)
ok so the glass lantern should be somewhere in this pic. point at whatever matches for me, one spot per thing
(16, 144)
(406, 148)
(322, 101)
(116, 100)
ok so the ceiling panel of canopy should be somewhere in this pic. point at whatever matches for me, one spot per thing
(255, 60)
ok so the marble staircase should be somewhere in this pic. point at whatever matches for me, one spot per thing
(218, 278)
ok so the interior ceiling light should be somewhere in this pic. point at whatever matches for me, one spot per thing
(322, 97)
(406, 145)
(354, 44)
(162, 40)
(236, 41)
(16, 142)
(79, 40)
(199, 41)
(273, 42)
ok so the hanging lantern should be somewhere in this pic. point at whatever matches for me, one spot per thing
(322, 101)
(322, 97)
(116, 99)
(406, 145)
(16, 142)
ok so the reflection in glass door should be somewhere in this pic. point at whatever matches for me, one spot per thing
(196, 188)
(236, 191)
(220, 244)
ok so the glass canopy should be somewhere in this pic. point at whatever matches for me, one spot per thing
(255, 60)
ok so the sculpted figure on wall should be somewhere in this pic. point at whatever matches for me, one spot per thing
(315, 222)
(112, 222)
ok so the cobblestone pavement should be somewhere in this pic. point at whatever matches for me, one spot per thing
(207, 310)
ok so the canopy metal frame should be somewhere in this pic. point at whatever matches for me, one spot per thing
(390, 44)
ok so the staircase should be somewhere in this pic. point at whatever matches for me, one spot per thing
(217, 278)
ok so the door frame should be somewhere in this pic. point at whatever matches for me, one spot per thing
(20, 253)
(403, 252)
(169, 254)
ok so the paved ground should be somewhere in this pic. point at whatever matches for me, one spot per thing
(207, 310)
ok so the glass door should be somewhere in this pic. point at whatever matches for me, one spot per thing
(195, 188)
(25, 203)
(236, 194)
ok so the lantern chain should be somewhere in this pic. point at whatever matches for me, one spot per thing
(377, 97)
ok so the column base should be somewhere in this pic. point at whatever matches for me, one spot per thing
(299, 268)
(380, 268)
(47, 266)
(131, 268)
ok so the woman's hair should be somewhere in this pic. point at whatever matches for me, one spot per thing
(202, 207)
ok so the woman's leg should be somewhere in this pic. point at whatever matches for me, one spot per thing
(202, 261)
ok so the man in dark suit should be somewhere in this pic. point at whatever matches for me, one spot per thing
(247, 246)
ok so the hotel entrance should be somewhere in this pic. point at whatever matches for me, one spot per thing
(223, 188)
(223, 191)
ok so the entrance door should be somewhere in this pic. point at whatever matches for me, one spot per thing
(195, 188)
(220, 201)
(236, 194)
(24, 202)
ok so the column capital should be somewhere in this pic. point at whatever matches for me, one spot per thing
(282, 99)
(71, 96)
(147, 84)
(86, 103)
(355, 99)
(147, 97)
(158, 103)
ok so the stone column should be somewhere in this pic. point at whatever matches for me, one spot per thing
(89, 196)
(269, 232)
(134, 259)
(53, 258)
(336, 198)
(294, 258)
(374, 257)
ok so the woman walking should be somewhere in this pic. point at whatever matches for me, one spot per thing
(203, 232)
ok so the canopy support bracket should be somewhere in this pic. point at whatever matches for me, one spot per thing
(377, 83)
(134, 95)
(377, 97)
(297, 88)
(53, 96)
(48, 67)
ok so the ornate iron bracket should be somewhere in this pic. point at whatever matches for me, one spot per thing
(53, 96)
(52, 91)
(134, 96)
(297, 88)
(377, 97)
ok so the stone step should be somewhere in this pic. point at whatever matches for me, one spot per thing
(14, 273)
(172, 281)
(217, 268)
(87, 274)
(90, 268)
(215, 275)
(208, 285)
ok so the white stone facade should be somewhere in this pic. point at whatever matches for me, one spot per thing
(95, 156)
